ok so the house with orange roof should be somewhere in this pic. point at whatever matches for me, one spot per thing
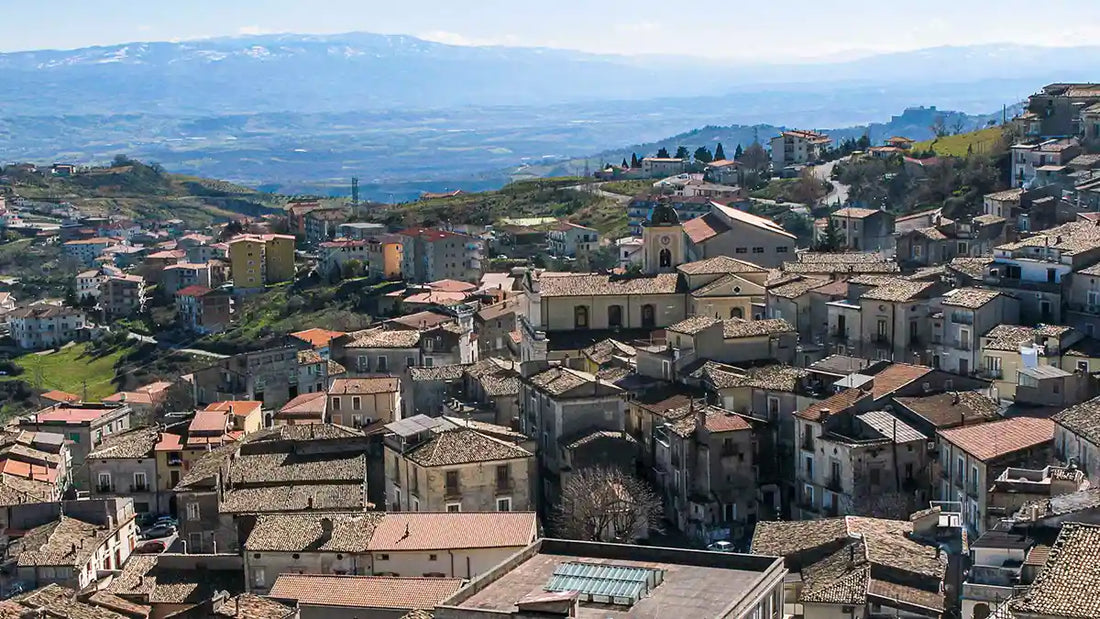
(798, 147)
(317, 338)
(971, 457)
(728, 231)
(244, 416)
(306, 408)
(59, 397)
(85, 425)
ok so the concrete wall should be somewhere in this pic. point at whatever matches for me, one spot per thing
(275, 563)
(122, 472)
(558, 313)
(458, 563)
(477, 484)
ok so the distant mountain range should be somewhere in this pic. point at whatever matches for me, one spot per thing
(305, 113)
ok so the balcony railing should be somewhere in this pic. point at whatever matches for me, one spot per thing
(991, 373)
(962, 344)
(880, 339)
(139, 487)
(104, 488)
(451, 492)
(807, 443)
(833, 483)
(505, 486)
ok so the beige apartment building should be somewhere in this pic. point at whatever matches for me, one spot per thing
(436, 466)
(359, 402)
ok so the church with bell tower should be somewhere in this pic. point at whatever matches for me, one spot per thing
(662, 240)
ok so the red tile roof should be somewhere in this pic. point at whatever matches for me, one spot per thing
(451, 285)
(726, 422)
(61, 396)
(72, 415)
(196, 290)
(706, 227)
(130, 397)
(316, 337)
(453, 530)
(833, 404)
(237, 408)
(986, 441)
(381, 384)
(305, 405)
(895, 377)
(364, 591)
(208, 421)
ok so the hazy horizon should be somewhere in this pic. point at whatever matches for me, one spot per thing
(803, 30)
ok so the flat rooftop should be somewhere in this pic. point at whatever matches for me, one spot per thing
(694, 583)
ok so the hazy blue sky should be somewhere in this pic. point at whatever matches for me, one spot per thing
(765, 29)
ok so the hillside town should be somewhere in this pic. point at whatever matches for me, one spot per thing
(714, 413)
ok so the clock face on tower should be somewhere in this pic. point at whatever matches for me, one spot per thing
(666, 239)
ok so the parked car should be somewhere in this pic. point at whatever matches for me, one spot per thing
(166, 520)
(160, 530)
(151, 548)
(721, 546)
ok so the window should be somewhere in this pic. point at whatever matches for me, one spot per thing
(104, 484)
(258, 579)
(335, 404)
(649, 315)
(504, 504)
(1083, 366)
(433, 557)
(356, 403)
(364, 363)
(757, 250)
(665, 258)
(737, 312)
(382, 364)
(580, 317)
(140, 481)
(741, 250)
(452, 483)
(192, 512)
(454, 507)
(773, 407)
(615, 316)
(781, 249)
(410, 361)
(383, 557)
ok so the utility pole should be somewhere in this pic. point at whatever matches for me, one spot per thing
(84, 384)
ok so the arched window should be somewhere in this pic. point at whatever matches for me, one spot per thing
(737, 312)
(981, 611)
(649, 315)
(615, 316)
(580, 317)
(665, 258)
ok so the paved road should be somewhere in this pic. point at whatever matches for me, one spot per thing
(174, 346)
(839, 194)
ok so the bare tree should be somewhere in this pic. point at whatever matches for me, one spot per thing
(755, 157)
(604, 504)
(958, 125)
(939, 126)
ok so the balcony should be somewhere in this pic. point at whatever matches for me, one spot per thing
(104, 488)
(833, 483)
(880, 339)
(807, 444)
(505, 486)
(991, 373)
(175, 458)
(139, 487)
(452, 492)
(962, 344)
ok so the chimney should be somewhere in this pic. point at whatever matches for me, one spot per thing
(309, 503)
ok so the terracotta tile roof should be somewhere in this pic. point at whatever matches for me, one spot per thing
(736, 328)
(775, 377)
(132, 397)
(364, 591)
(51, 544)
(112, 602)
(251, 606)
(592, 284)
(947, 410)
(832, 405)
(900, 291)
(453, 530)
(559, 380)
(718, 420)
(762, 223)
(971, 298)
(143, 578)
(380, 337)
(350, 532)
(855, 213)
(54, 600)
(1082, 419)
(1008, 337)
(694, 324)
(436, 373)
(605, 350)
(450, 285)
(702, 229)
(1067, 585)
(316, 337)
(72, 415)
(971, 267)
(795, 289)
(366, 386)
(896, 376)
(297, 498)
(60, 396)
(719, 265)
(987, 441)
(131, 444)
(839, 578)
(783, 538)
(305, 405)
(1069, 239)
(889, 593)
(463, 446)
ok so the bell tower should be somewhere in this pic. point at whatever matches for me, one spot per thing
(662, 239)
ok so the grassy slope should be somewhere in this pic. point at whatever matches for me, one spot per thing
(550, 197)
(139, 192)
(69, 368)
(982, 141)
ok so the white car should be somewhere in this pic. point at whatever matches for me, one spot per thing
(721, 546)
